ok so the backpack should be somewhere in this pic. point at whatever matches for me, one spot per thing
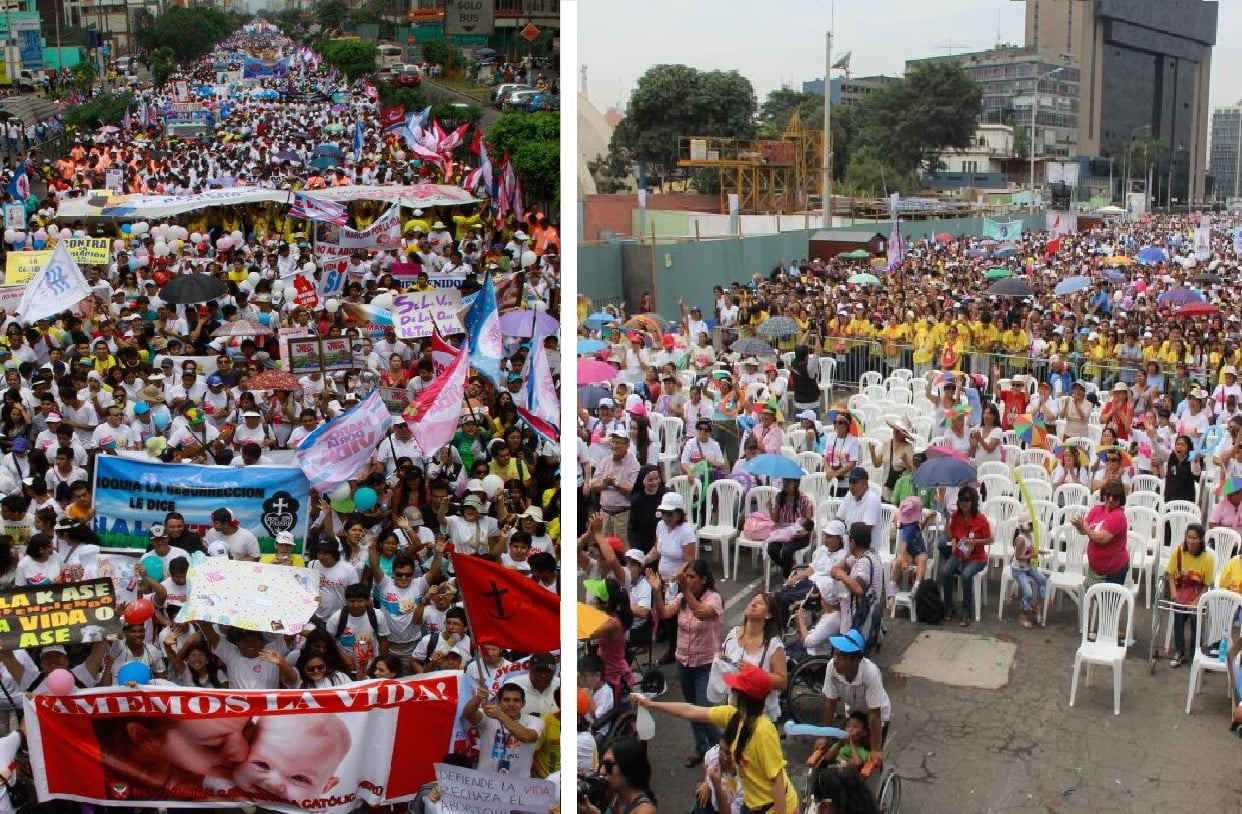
(868, 613)
(342, 621)
(928, 602)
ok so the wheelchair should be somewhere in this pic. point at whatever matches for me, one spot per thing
(884, 784)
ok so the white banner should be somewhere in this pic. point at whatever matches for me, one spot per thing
(382, 235)
(417, 313)
(1061, 223)
(468, 791)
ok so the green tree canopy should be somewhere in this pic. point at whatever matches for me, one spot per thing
(190, 31)
(533, 143)
(779, 107)
(352, 58)
(912, 121)
(671, 102)
(332, 14)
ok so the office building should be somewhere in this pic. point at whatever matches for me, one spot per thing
(1225, 166)
(848, 89)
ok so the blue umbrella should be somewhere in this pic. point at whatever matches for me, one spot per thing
(1112, 275)
(323, 162)
(328, 149)
(944, 471)
(599, 319)
(1071, 284)
(1150, 255)
(590, 395)
(774, 466)
(1179, 296)
(1006, 251)
(586, 346)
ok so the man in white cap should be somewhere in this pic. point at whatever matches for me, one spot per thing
(612, 483)
(253, 429)
(284, 552)
(1228, 387)
(398, 444)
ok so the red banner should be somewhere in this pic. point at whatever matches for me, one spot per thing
(506, 608)
(291, 750)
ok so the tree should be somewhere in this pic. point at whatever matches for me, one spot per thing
(533, 143)
(1021, 140)
(913, 120)
(672, 102)
(352, 58)
(445, 54)
(191, 32)
(610, 173)
(332, 14)
(163, 63)
(83, 75)
(106, 108)
(779, 107)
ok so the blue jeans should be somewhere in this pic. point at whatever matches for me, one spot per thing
(1032, 584)
(1180, 620)
(954, 567)
(694, 691)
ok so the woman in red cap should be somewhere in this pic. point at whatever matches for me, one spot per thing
(751, 743)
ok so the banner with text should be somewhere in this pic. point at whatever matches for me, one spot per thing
(417, 313)
(69, 613)
(325, 751)
(250, 595)
(130, 496)
(469, 791)
(21, 267)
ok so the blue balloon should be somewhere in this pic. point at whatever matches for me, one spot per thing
(125, 228)
(134, 671)
(134, 265)
(365, 499)
(154, 566)
(160, 420)
(39, 244)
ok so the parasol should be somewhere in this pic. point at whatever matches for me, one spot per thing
(1031, 430)
(1013, 287)
(752, 347)
(593, 371)
(1071, 285)
(1179, 296)
(242, 327)
(191, 289)
(855, 426)
(864, 279)
(997, 274)
(936, 472)
(589, 346)
(773, 466)
(523, 321)
(1196, 309)
(273, 380)
(778, 327)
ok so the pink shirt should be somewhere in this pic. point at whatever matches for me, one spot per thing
(770, 439)
(698, 640)
(1227, 515)
(1111, 557)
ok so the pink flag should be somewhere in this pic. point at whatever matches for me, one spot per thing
(433, 414)
(442, 353)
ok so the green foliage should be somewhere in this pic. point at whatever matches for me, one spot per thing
(1142, 153)
(409, 98)
(671, 102)
(779, 107)
(451, 116)
(913, 120)
(369, 13)
(83, 75)
(354, 59)
(1021, 140)
(190, 31)
(533, 143)
(445, 54)
(163, 63)
(106, 108)
(610, 173)
(332, 14)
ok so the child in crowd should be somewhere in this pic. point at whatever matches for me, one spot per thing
(1032, 584)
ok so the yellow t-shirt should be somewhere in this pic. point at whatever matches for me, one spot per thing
(1231, 577)
(762, 761)
(547, 758)
(1204, 565)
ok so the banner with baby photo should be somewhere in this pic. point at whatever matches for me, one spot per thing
(130, 496)
(327, 751)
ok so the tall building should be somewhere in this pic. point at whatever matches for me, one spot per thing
(1145, 68)
(848, 89)
(1014, 80)
(1226, 157)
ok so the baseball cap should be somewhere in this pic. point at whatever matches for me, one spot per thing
(671, 502)
(637, 555)
(53, 649)
(413, 515)
(21, 445)
(53, 416)
(851, 642)
(157, 530)
(835, 528)
(857, 474)
(547, 661)
(284, 538)
(751, 681)
(215, 380)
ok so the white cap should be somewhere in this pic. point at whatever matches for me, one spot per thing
(671, 502)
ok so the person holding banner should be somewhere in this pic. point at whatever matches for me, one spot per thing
(507, 736)
(32, 676)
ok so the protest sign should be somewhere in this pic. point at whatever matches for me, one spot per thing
(450, 279)
(405, 273)
(468, 791)
(21, 267)
(130, 496)
(10, 297)
(396, 399)
(336, 353)
(383, 234)
(68, 613)
(250, 595)
(335, 451)
(372, 742)
(417, 313)
(14, 216)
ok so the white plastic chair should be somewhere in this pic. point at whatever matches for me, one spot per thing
(999, 511)
(724, 498)
(869, 378)
(1147, 499)
(1183, 506)
(672, 429)
(875, 392)
(826, 511)
(810, 461)
(1036, 456)
(1147, 483)
(758, 499)
(1108, 606)
(998, 486)
(1039, 490)
(1224, 543)
(1214, 624)
(902, 374)
(1071, 494)
(888, 536)
(993, 468)
(1013, 454)
(817, 486)
(1031, 473)
(1145, 524)
(689, 490)
(1068, 573)
(923, 426)
(827, 370)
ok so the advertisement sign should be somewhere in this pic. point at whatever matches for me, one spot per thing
(250, 595)
(418, 313)
(132, 495)
(69, 613)
(325, 751)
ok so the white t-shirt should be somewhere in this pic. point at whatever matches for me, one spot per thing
(669, 542)
(864, 510)
(332, 584)
(396, 605)
(175, 594)
(865, 692)
(358, 636)
(241, 543)
(150, 656)
(244, 673)
(30, 572)
(500, 751)
(471, 538)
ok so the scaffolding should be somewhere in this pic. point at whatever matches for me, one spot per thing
(769, 176)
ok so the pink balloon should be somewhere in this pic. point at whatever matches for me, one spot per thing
(60, 682)
(118, 245)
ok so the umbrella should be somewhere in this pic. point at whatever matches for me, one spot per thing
(944, 237)
(590, 619)
(857, 254)
(864, 279)
(599, 319)
(974, 253)
(944, 471)
(1071, 285)
(323, 162)
(662, 324)
(328, 149)
(997, 274)
(1079, 452)
(752, 347)
(190, 289)
(288, 155)
(589, 346)
(522, 322)
(593, 371)
(273, 380)
(773, 466)
(1114, 276)
(1031, 430)
(1119, 260)
(987, 241)
(1208, 278)
(1150, 255)
(1179, 296)
(107, 128)
(1196, 309)
(1006, 251)
(944, 451)
(1126, 460)
(242, 327)
(590, 396)
(335, 127)
(644, 322)
(855, 427)
(778, 326)
(1013, 287)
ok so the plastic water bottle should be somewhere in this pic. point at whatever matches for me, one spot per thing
(644, 724)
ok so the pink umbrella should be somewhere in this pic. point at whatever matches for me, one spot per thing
(593, 371)
(944, 452)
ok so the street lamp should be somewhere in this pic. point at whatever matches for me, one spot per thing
(1034, 111)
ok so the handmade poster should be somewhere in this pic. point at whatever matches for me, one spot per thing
(250, 595)
(21, 267)
(130, 496)
(327, 751)
(65, 613)
(417, 313)
(469, 791)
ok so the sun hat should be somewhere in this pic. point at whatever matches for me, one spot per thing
(671, 502)
(901, 425)
(835, 528)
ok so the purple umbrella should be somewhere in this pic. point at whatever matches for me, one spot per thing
(1179, 296)
(522, 322)
(290, 156)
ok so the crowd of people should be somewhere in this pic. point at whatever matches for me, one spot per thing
(126, 373)
(1117, 377)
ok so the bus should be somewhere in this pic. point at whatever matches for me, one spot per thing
(389, 55)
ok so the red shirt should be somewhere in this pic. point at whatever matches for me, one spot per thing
(1015, 405)
(1111, 557)
(963, 530)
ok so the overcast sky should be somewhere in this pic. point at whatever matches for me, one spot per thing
(782, 42)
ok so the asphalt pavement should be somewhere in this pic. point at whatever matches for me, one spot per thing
(437, 92)
(1021, 748)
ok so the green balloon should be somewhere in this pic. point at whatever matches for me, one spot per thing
(346, 505)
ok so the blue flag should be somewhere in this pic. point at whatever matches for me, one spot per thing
(482, 323)
(19, 187)
(357, 141)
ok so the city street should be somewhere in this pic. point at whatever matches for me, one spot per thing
(1021, 748)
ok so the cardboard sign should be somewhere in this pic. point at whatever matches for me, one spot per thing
(250, 595)
(336, 353)
(419, 313)
(69, 613)
(473, 792)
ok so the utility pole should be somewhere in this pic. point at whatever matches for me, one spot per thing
(1034, 111)
(826, 192)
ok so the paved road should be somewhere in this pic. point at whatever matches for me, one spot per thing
(437, 92)
(1021, 748)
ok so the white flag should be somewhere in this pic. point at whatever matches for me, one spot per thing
(57, 287)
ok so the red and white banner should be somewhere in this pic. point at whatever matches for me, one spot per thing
(1060, 223)
(326, 751)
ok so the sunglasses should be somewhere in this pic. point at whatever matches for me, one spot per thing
(322, 668)
(402, 574)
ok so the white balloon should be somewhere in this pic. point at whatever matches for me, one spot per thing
(195, 237)
(341, 492)
(53, 230)
(10, 235)
(331, 306)
(539, 305)
(253, 278)
(278, 286)
(529, 258)
(238, 237)
(79, 233)
(309, 267)
(383, 301)
(492, 484)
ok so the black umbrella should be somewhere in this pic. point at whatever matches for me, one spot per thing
(189, 289)
(485, 52)
(1208, 278)
(1013, 287)
(590, 395)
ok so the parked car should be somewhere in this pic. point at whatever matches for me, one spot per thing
(502, 90)
(517, 100)
(410, 76)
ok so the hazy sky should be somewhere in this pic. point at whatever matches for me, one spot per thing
(781, 42)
